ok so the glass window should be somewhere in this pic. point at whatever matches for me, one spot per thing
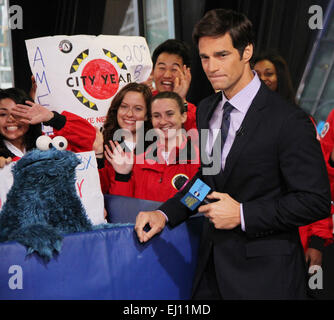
(124, 18)
(158, 21)
(316, 91)
(6, 69)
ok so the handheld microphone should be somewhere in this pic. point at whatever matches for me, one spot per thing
(196, 194)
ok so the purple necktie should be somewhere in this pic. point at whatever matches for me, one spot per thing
(227, 108)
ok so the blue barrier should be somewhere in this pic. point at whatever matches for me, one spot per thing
(122, 209)
(106, 264)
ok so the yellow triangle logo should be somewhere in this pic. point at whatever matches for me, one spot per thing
(79, 94)
(91, 104)
(84, 55)
(79, 60)
(75, 67)
(120, 64)
(84, 100)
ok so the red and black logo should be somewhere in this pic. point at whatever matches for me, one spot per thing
(97, 78)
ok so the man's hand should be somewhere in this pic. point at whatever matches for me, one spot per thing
(156, 221)
(4, 161)
(224, 213)
(33, 114)
(313, 257)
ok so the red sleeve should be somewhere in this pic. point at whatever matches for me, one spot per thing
(191, 117)
(327, 144)
(79, 133)
(323, 228)
(110, 185)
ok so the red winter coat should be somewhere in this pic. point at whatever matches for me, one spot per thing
(152, 178)
(79, 133)
(323, 228)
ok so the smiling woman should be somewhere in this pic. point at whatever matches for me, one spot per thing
(168, 116)
(11, 128)
(20, 125)
(150, 175)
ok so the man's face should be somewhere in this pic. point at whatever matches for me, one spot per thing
(222, 64)
(167, 68)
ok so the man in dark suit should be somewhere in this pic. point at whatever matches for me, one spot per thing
(271, 180)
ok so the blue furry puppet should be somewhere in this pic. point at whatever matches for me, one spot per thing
(42, 204)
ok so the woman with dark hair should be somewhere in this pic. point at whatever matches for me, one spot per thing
(125, 125)
(20, 126)
(151, 175)
(273, 70)
(128, 109)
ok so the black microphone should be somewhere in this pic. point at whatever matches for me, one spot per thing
(196, 194)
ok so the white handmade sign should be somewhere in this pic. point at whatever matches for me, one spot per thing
(87, 186)
(81, 74)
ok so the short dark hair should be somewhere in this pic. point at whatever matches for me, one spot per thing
(173, 46)
(35, 130)
(170, 95)
(218, 22)
(284, 82)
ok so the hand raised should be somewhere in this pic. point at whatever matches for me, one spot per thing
(182, 82)
(33, 114)
(121, 161)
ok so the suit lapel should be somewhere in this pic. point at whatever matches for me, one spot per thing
(207, 109)
(249, 125)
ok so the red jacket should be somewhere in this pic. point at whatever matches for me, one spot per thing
(152, 178)
(323, 228)
(79, 133)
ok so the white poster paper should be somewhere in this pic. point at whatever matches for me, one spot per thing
(81, 74)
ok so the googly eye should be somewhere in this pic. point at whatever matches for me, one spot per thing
(60, 143)
(44, 143)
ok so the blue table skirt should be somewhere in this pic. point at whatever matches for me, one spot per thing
(106, 264)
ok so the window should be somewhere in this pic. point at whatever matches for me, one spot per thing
(158, 21)
(6, 69)
(316, 91)
(153, 19)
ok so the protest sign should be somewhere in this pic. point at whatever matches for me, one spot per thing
(81, 74)
(87, 186)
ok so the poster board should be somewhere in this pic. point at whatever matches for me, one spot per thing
(81, 74)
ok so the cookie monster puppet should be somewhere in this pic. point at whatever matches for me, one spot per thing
(42, 204)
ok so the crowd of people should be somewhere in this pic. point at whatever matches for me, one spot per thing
(272, 192)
